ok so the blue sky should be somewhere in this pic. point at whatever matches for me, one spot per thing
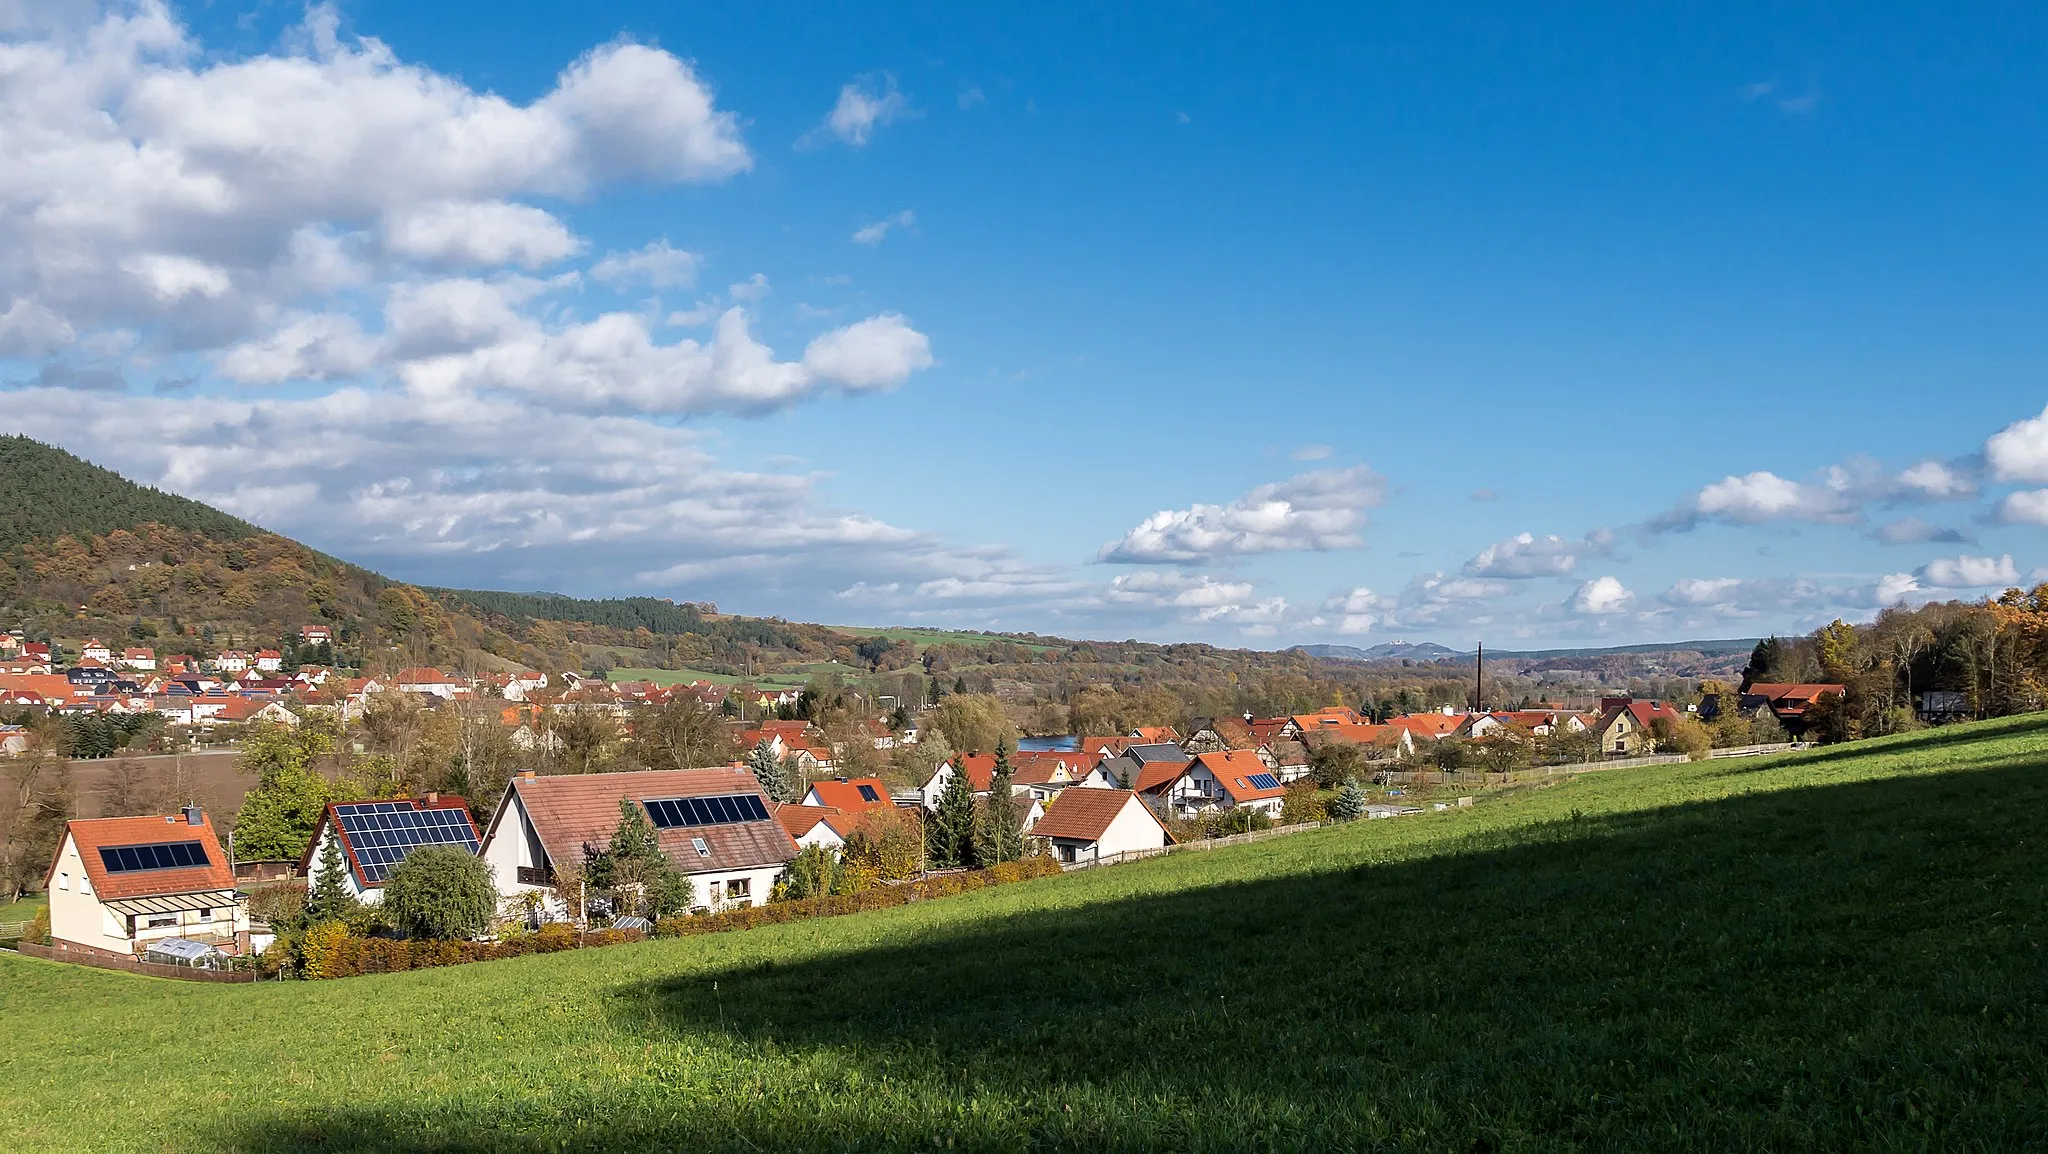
(1258, 327)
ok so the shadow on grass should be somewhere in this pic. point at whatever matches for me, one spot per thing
(1853, 965)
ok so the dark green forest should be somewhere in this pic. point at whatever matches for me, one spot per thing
(46, 492)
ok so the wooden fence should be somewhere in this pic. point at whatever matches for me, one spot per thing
(132, 965)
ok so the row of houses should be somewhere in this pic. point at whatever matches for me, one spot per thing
(162, 885)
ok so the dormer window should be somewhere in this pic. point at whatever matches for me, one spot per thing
(703, 850)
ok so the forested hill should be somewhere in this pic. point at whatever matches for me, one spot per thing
(46, 493)
(650, 613)
(87, 553)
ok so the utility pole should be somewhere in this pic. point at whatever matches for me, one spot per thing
(1479, 684)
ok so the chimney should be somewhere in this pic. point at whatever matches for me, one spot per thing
(194, 815)
(433, 797)
(527, 774)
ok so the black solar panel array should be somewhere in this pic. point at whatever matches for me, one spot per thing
(1264, 781)
(383, 832)
(686, 812)
(170, 855)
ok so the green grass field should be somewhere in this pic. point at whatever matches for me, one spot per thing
(24, 909)
(1830, 950)
(932, 636)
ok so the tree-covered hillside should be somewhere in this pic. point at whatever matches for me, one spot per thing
(47, 493)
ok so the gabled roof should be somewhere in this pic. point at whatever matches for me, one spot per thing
(1233, 770)
(353, 852)
(94, 834)
(1156, 735)
(845, 796)
(570, 810)
(981, 769)
(1086, 814)
(1361, 733)
(1157, 775)
(1793, 697)
(798, 820)
(1157, 751)
(1430, 725)
(1042, 767)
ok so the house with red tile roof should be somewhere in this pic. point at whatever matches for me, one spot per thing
(269, 660)
(120, 884)
(1225, 779)
(429, 680)
(1789, 701)
(1155, 735)
(231, 661)
(714, 824)
(1429, 726)
(1625, 725)
(96, 650)
(1211, 733)
(1107, 746)
(1086, 825)
(814, 825)
(1376, 742)
(141, 660)
(850, 797)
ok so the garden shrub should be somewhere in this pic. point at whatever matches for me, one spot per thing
(329, 950)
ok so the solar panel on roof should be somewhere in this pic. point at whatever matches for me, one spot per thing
(867, 793)
(688, 812)
(383, 832)
(171, 855)
(1265, 781)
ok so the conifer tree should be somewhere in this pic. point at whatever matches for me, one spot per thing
(952, 827)
(779, 776)
(329, 900)
(1000, 837)
(1350, 801)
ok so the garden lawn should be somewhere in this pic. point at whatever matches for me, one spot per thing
(1834, 949)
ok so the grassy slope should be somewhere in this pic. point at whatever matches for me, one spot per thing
(1839, 948)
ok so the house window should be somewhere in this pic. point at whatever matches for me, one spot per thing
(739, 890)
(703, 850)
(205, 915)
(63, 881)
(1066, 853)
(162, 921)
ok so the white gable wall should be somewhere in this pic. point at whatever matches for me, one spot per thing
(76, 915)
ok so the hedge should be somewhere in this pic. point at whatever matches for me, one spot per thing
(328, 950)
(879, 898)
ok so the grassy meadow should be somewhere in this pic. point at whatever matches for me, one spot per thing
(1835, 949)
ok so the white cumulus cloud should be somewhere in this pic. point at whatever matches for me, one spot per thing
(1602, 596)
(1967, 572)
(1322, 509)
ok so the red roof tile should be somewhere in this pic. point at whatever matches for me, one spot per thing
(93, 834)
(571, 810)
(1086, 814)
(845, 796)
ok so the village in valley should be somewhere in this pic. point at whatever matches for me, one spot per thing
(788, 816)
